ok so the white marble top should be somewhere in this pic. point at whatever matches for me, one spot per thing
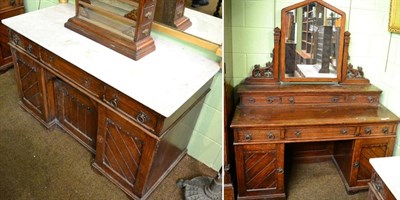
(204, 26)
(388, 168)
(163, 80)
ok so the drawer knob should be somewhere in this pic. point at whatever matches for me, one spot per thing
(270, 100)
(114, 102)
(280, 170)
(335, 99)
(15, 38)
(368, 131)
(357, 165)
(378, 185)
(142, 117)
(251, 100)
(271, 136)
(86, 82)
(29, 48)
(291, 100)
(297, 133)
(371, 99)
(343, 131)
(385, 130)
(248, 137)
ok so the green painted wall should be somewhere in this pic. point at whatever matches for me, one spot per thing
(206, 142)
(371, 46)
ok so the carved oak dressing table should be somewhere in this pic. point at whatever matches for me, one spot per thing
(135, 116)
(282, 118)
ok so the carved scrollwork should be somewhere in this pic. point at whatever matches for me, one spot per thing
(263, 72)
(354, 73)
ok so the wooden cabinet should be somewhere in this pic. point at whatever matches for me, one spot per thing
(383, 185)
(124, 151)
(77, 114)
(31, 87)
(8, 9)
(135, 146)
(303, 123)
(260, 170)
(364, 149)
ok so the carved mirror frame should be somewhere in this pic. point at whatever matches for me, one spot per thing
(282, 58)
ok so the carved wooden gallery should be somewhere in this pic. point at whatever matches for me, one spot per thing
(308, 105)
(95, 70)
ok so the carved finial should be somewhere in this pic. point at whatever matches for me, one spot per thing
(263, 72)
(354, 73)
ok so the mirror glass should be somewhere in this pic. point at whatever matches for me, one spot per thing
(194, 17)
(201, 20)
(312, 42)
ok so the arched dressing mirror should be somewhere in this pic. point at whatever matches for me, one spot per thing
(312, 38)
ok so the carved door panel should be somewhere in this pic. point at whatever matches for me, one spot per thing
(124, 151)
(260, 169)
(363, 151)
(31, 85)
(77, 114)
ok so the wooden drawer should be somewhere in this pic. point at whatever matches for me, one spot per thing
(363, 99)
(133, 109)
(377, 129)
(20, 41)
(258, 135)
(91, 84)
(378, 189)
(312, 99)
(299, 133)
(260, 100)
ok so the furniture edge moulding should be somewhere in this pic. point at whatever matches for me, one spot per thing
(268, 75)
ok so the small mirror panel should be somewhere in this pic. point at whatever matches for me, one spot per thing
(312, 42)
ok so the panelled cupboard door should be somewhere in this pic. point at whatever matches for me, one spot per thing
(260, 170)
(77, 113)
(31, 85)
(364, 149)
(124, 151)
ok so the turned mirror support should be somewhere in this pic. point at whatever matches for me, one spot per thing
(351, 74)
(269, 73)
